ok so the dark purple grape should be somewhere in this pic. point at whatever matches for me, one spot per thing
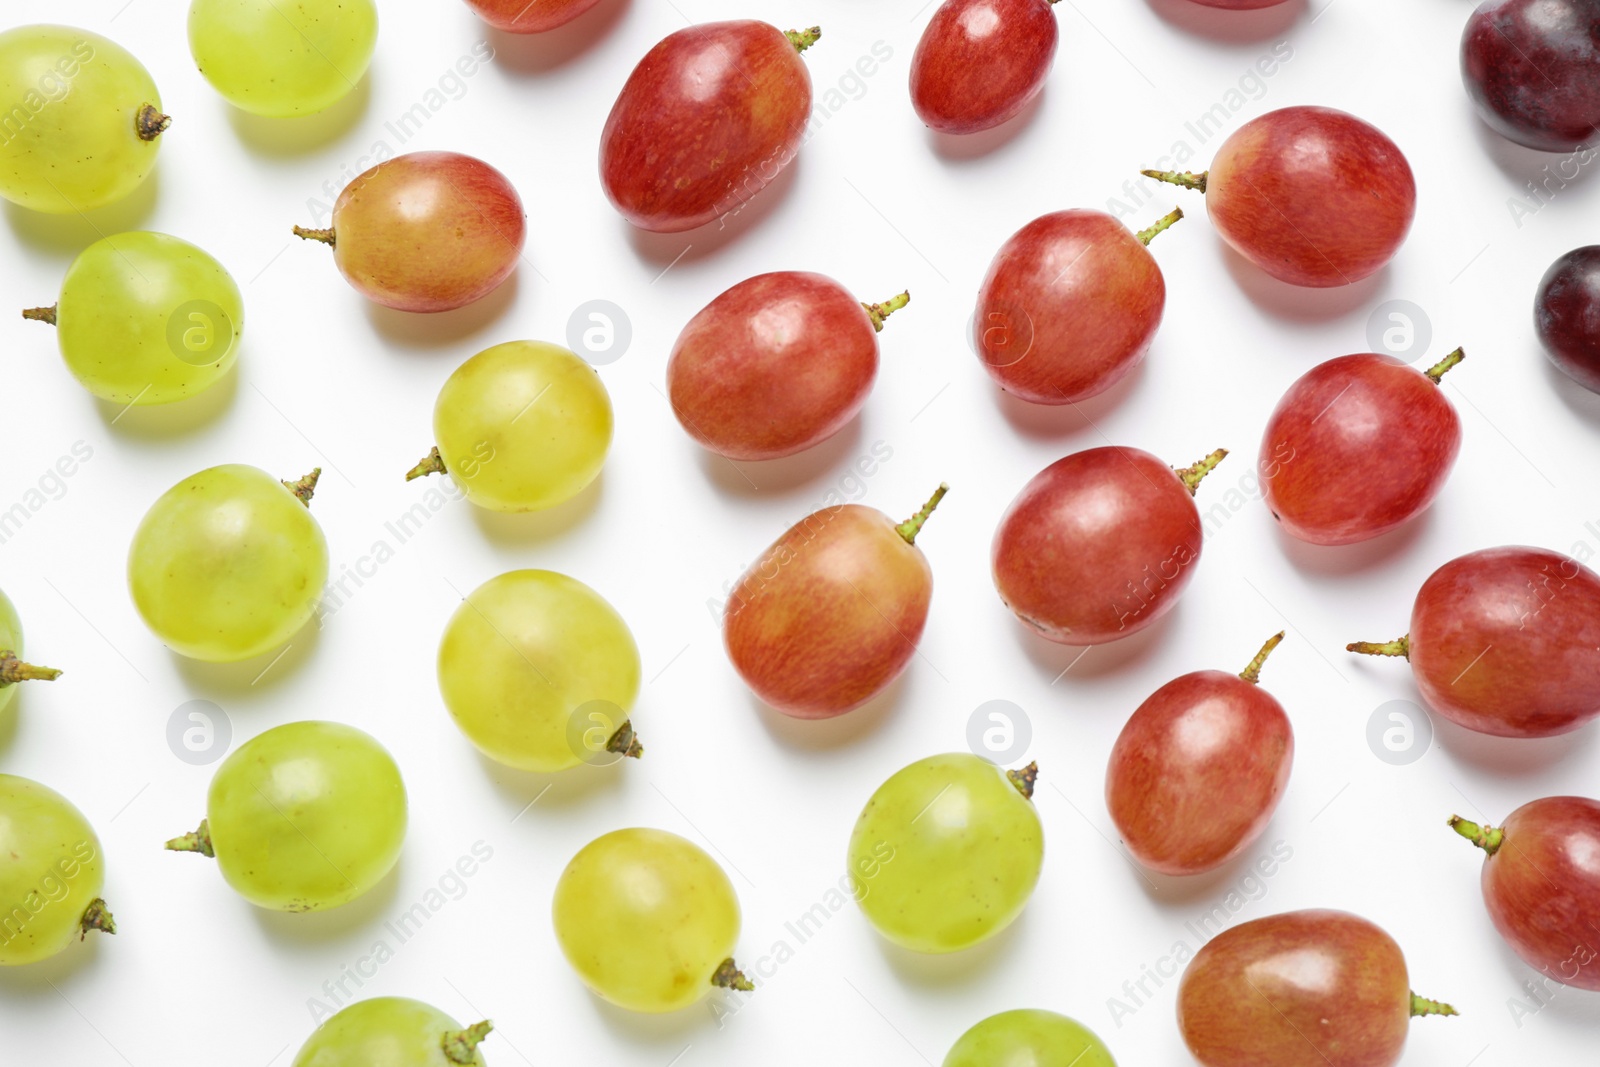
(1567, 314)
(1532, 67)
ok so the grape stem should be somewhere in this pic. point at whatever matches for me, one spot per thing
(913, 526)
(1422, 1006)
(96, 917)
(151, 123)
(1439, 369)
(1024, 779)
(45, 315)
(1162, 225)
(327, 236)
(1182, 179)
(432, 463)
(625, 742)
(1400, 646)
(13, 670)
(878, 312)
(198, 841)
(305, 487)
(1252, 673)
(729, 976)
(803, 39)
(462, 1047)
(1488, 838)
(1193, 476)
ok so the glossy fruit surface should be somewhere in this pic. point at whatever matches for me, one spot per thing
(521, 426)
(1099, 544)
(1070, 305)
(426, 232)
(52, 874)
(1199, 769)
(1529, 67)
(1301, 989)
(1312, 196)
(1029, 1038)
(648, 920)
(776, 364)
(1567, 315)
(706, 120)
(1358, 446)
(13, 669)
(979, 62)
(304, 817)
(529, 16)
(947, 852)
(1503, 641)
(84, 124)
(228, 564)
(540, 672)
(276, 59)
(832, 612)
(1541, 884)
(393, 1032)
(145, 318)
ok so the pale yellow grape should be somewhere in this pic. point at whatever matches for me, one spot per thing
(1029, 1037)
(393, 1032)
(51, 873)
(14, 670)
(281, 58)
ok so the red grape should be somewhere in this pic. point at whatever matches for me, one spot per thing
(1312, 196)
(1567, 315)
(832, 612)
(529, 16)
(1532, 68)
(429, 231)
(1541, 884)
(1504, 641)
(980, 62)
(776, 364)
(1198, 770)
(709, 116)
(1301, 989)
(1099, 544)
(1070, 305)
(1358, 446)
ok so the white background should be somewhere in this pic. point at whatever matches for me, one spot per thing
(197, 976)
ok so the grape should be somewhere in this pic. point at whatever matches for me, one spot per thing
(539, 672)
(393, 1032)
(980, 62)
(1530, 67)
(12, 668)
(529, 16)
(648, 920)
(145, 318)
(521, 426)
(1029, 1038)
(229, 563)
(947, 852)
(305, 817)
(52, 874)
(281, 59)
(84, 122)
(1567, 315)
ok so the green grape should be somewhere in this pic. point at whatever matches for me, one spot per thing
(229, 563)
(145, 318)
(947, 852)
(520, 427)
(83, 122)
(280, 59)
(539, 672)
(648, 920)
(51, 874)
(305, 817)
(12, 667)
(1029, 1038)
(393, 1032)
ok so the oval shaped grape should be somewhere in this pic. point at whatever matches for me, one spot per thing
(947, 852)
(521, 426)
(53, 874)
(92, 121)
(1566, 315)
(1358, 446)
(1301, 989)
(304, 817)
(229, 564)
(1029, 1038)
(426, 232)
(648, 920)
(1070, 305)
(980, 62)
(146, 318)
(393, 1032)
(1199, 769)
(1506, 641)
(529, 16)
(1311, 195)
(833, 611)
(706, 120)
(539, 672)
(1100, 544)
(1541, 884)
(280, 60)
(13, 669)
(1529, 67)
(775, 365)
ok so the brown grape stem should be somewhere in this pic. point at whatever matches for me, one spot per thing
(306, 487)
(1182, 179)
(1422, 1006)
(1252, 673)
(327, 237)
(462, 1047)
(1400, 646)
(729, 976)
(913, 526)
(878, 312)
(1024, 779)
(432, 463)
(151, 123)
(625, 742)
(803, 39)
(1162, 225)
(1193, 476)
(13, 670)
(45, 315)
(198, 841)
(96, 917)
(1439, 369)
(1488, 838)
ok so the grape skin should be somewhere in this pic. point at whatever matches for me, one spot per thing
(385, 1032)
(10, 640)
(1029, 1038)
(279, 60)
(52, 872)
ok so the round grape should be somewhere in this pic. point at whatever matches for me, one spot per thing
(52, 875)
(279, 60)
(1029, 1038)
(12, 667)
(393, 1032)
